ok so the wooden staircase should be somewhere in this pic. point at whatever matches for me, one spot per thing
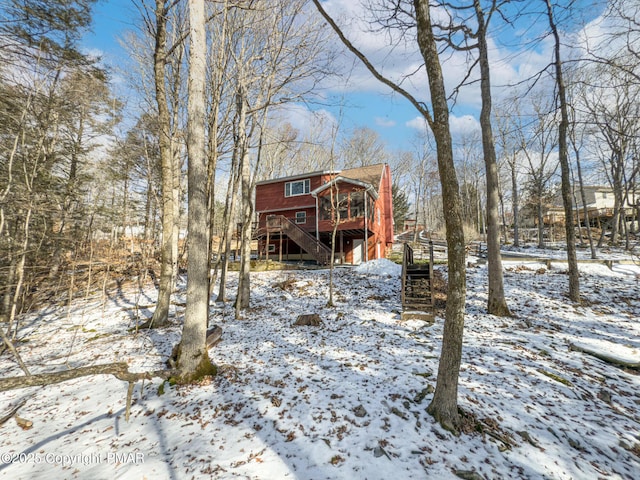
(310, 244)
(417, 286)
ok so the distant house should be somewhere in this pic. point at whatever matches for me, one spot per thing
(599, 201)
(411, 224)
(297, 215)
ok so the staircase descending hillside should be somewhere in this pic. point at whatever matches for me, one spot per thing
(318, 250)
(417, 286)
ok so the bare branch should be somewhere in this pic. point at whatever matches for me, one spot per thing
(420, 106)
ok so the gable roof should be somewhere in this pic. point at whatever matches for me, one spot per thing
(298, 176)
(371, 174)
(368, 177)
(367, 186)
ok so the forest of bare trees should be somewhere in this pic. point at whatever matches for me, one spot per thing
(96, 189)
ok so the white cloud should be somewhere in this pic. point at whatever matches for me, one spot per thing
(392, 55)
(417, 123)
(385, 122)
(458, 125)
(463, 125)
(93, 52)
(399, 59)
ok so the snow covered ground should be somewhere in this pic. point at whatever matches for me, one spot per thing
(345, 400)
(558, 252)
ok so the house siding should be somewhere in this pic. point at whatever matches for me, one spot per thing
(270, 196)
(271, 200)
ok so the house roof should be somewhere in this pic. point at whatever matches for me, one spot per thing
(367, 186)
(299, 176)
(371, 174)
(368, 177)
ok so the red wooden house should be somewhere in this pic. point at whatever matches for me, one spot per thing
(297, 215)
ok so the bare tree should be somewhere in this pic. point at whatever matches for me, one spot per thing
(276, 58)
(458, 32)
(511, 150)
(246, 209)
(87, 113)
(470, 166)
(612, 111)
(496, 303)
(39, 49)
(563, 153)
(193, 359)
(363, 147)
(538, 143)
(617, 45)
(425, 184)
(444, 406)
(279, 151)
(577, 134)
(166, 105)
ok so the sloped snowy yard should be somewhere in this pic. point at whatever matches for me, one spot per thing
(345, 400)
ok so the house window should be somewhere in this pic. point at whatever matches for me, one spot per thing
(301, 217)
(379, 217)
(343, 206)
(299, 187)
(271, 247)
(604, 194)
(357, 204)
(325, 208)
(371, 210)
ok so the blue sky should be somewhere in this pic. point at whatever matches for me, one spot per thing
(110, 19)
(364, 102)
(373, 106)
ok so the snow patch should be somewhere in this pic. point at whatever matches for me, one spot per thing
(380, 267)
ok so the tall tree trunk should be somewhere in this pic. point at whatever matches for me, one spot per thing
(496, 303)
(217, 87)
(540, 216)
(229, 213)
(8, 283)
(514, 206)
(444, 406)
(193, 359)
(503, 219)
(148, 199)
(20, 273)
(168, 268)
(335, 216)
(211, 192)
(615, 221)
(583, 198)
(563, 152)
(244, 280)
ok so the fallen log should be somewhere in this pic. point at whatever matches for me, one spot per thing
(619, 362)
(118, 370)
(214, 335)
